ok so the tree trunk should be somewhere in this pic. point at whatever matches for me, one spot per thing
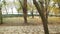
(25, 10)
(12, 10)
(44, 19)
(1, 16)
(32, 14)
(6, 10)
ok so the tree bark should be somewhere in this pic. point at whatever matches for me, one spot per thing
(25, 10)
(41, 13)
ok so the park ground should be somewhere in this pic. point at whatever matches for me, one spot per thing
(16, 25)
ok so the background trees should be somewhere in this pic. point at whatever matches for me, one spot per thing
(40, 5)
(54, 7)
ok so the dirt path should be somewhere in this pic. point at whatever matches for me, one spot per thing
(28, 29)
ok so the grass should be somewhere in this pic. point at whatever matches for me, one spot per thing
(36, 20)
(54, 20)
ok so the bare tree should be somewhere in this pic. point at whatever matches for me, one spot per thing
(12, 10)
(1, 14)
(24, 7)
(32, 13)
(25, 10)
(4, 3)
(43, 17)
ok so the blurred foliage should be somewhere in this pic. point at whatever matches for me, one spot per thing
(56, 0)
(29, 6)
(53, 8)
